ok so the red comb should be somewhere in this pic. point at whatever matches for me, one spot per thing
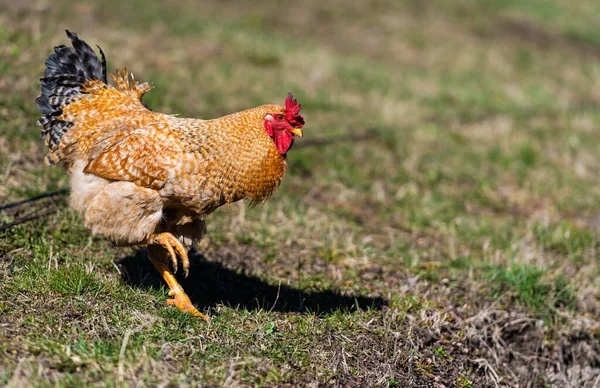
(292, 112)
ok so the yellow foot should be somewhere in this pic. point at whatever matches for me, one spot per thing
(160, 259)
(174, 247)
(184, 304)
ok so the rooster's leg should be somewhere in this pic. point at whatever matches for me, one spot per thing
(160, 262)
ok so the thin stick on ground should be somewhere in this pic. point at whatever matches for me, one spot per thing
(34, 199)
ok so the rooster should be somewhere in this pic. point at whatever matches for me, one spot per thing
(140, 177)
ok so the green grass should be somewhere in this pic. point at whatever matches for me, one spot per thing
(443, 228)
(529, 288)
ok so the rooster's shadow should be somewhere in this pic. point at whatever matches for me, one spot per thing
(211, 283)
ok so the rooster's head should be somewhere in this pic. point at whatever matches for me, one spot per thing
(284, 126)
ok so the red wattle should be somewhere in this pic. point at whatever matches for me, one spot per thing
(283, 142)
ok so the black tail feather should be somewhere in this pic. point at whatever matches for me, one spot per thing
(79, 60)
(67, 70)
(102, 64)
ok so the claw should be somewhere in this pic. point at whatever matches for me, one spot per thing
(172, 245)
(184, 256)
(184, 304)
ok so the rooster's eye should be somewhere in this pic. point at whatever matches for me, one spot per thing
(279, 117)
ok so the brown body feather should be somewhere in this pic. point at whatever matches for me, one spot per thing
(135, 172)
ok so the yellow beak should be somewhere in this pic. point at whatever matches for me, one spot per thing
(296, 131)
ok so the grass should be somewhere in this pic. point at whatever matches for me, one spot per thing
(438, 222)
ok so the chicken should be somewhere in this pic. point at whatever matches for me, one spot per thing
(140, 177)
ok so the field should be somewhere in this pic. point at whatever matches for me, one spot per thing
(438, 225)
